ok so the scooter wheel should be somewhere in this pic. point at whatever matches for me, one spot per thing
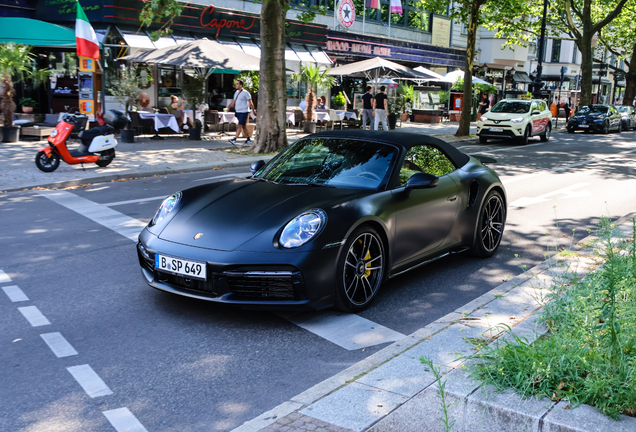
(46, 163)
(108, 158)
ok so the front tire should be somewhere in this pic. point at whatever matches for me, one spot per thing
(546, 135)
(490, 226)
(526, 134)
(606, 128)
(483, 140)
(46, 163)
(361, 270)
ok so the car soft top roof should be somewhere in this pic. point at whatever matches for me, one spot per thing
(404, 140)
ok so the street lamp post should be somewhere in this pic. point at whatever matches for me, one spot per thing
(537, 84)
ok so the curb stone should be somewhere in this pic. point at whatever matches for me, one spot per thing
(391, 376)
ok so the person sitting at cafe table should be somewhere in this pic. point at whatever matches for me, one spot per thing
(321, 102)
(176, 109)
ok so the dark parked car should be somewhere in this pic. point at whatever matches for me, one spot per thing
(595, 118)
(629, 116)
(325, 222)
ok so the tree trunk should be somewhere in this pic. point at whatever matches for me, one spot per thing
(464, 121)
(272, 91)
(630, 80)
(585, 46)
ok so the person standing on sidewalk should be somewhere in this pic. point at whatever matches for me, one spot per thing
(380, 108)
(244, 106)
(367, 109)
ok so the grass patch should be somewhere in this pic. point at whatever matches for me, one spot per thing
(589, 354)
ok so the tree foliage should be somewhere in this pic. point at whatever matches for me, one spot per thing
(156, 10)
(315, 77)
(125, 88)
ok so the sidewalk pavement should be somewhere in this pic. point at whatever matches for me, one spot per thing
(391, 391)
(146, 158)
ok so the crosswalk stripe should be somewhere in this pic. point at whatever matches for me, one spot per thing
(123, 420)
(14, 293)
(89, 380)
(34, 316)
(58, 344)
(4, 278)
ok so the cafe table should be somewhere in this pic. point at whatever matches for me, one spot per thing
(161, 121)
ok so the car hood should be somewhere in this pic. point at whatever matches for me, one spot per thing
(231, 213)
(589, 116)
(503, 116)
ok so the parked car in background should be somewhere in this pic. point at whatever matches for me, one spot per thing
(517, 119)
(595, 118)
(629, 117)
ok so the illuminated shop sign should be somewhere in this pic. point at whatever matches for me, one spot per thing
(358, 48)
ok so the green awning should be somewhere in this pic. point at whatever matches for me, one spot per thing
(37, 33)
(227, 71)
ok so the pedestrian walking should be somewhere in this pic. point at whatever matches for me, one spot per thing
(244, 106)
(367, 109)
(566, 107)
(380, 108)
(484, 104)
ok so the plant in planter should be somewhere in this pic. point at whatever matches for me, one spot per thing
(408, 92)
(27, 105)
(314, 76)
(125, 90)
(15, 61)
(396, 107)
(339, 101)
(194, 94)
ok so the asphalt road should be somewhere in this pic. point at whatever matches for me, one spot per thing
(183, 365)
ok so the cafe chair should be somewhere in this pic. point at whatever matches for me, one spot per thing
(141, 126)
(333, 119)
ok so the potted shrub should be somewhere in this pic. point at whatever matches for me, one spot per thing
(15, 61)
(406, 91)
(27, 105)
(314, 76)
(193, 90)
(339, 101)
(396, 107)
(126, 91)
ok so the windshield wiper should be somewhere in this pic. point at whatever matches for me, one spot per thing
(265, 180)
(311, 184)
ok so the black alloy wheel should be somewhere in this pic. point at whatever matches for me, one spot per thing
(490, 226)
(546, 135)
(625, 125)
(619, 129)
(47, 163)
(526, 134)
(360, 270)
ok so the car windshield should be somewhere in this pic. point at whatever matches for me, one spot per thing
(623, 109)
(511, 107)
(342, 163)
(593, 109)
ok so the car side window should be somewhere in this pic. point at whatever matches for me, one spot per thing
(426, 159)
(544, 107)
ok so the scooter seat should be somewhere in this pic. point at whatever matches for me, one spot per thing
(88, 135)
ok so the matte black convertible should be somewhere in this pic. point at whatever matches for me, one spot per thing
(325, 222)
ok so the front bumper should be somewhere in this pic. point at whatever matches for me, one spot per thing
(294, 280)
(592, 126)
(509, 130)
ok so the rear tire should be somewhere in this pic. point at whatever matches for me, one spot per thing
(546, 135)
(108, 158)
(46, 163)
(490, 226)
(360, 270)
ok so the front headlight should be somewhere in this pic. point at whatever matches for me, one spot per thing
(517, 120)
(483, 119)
(303, 228)
(166, 207)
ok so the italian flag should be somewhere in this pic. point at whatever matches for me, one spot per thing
(85, 37)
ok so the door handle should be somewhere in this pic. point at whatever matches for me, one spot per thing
(452, 198)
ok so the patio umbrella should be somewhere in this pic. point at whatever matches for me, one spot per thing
(201, 54)
(430, 73)
(452, 77)
(377, 67)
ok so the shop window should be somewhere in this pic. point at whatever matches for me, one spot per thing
(168, 84)
(556, 51)
(418, 19)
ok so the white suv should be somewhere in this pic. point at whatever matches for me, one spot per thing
(516, 119)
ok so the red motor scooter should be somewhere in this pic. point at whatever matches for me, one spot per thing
(97, 144)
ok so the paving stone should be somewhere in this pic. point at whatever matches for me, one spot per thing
(584, 419)
(444, 348)
(487, 411)
(403, 375)
(355, 406)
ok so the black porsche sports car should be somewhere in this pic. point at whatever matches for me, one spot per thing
(325, 222)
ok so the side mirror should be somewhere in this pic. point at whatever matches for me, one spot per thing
(536, 112)
(256, 166)
(422, 181)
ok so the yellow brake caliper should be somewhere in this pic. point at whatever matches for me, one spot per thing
(366, 258)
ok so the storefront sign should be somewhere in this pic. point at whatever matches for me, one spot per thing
(346, 13)
(333, 45)
(207, 20)
(494, 74)
(441, 31)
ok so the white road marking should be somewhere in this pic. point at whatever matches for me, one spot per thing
(59, 345)
(567, 191)
(111, 219)
(225, 176)
(14, 293)
(4, 278)
(34, 316)
(349, 331)
(155, 198)
(124, 421)
(89, 380)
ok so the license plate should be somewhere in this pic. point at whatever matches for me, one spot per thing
(584, 126)
(495, 129)
(181, 267)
